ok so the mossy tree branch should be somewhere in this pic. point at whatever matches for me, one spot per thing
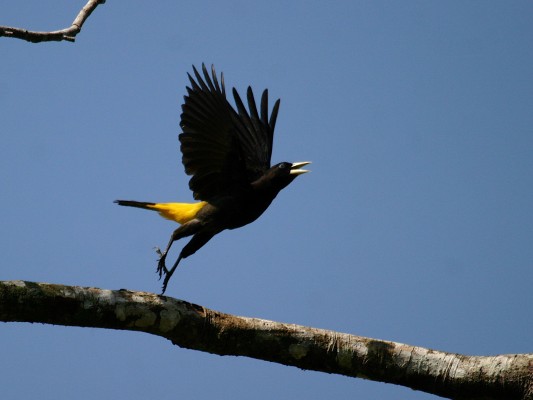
(196, 327)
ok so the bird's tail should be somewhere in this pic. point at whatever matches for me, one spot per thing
(179, 212)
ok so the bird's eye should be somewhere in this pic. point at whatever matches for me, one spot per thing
(282, 166)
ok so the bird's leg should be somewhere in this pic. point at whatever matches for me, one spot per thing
(197, 241)
(168, 274)
(188, 229)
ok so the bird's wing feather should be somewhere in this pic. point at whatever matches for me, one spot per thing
(223, 149)
(255, 132)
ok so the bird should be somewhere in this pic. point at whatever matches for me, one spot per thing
(226, 151)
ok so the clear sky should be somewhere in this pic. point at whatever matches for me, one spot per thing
(415, 225)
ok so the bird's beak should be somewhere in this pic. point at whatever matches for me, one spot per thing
(295, 167)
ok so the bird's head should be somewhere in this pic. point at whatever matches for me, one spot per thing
(280, 175)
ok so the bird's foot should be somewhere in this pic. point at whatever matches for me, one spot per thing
(165, 283)
(168, 274)
(161, 267)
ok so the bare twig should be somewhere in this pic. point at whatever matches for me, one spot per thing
(68, 34)
(196, 327)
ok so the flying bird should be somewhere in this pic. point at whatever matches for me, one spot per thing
(227, 152)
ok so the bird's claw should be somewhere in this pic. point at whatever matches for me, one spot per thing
(161, 267)
(165, 283)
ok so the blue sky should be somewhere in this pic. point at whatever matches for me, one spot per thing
(414, 226)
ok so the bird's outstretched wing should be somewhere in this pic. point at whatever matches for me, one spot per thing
(255, 132)
(223, 149)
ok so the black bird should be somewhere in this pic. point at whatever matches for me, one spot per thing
(227, 152)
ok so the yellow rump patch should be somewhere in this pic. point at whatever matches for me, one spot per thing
(179, 212)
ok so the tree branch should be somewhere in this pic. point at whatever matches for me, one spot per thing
(195, 327)
(68, 34)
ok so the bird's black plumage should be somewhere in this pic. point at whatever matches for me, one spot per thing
(227, 153)
(223, 148)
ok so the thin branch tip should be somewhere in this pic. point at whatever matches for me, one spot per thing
(67, 34)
